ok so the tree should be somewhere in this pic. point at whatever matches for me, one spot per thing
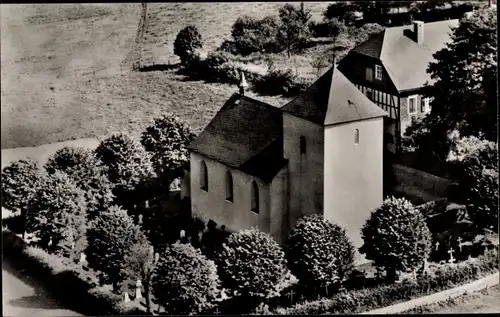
(293, 32)
(83, 169)
(254, 35)
(339, 10)
(319, 253)
(58, 215)
(396, 237)
(184, 281)
(251, 264)
(20, 182)
(167, 140)
(186, 44)
(476, 170)
(140, 264)
(464, 88)
(111, 237)
(335, 29)
(127, 165)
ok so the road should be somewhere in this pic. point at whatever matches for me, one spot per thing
(25, 297)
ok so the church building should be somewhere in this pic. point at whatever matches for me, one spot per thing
(256, 165)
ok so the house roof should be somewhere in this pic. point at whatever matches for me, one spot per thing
(245, 134)
(405, 60)
(332, 99)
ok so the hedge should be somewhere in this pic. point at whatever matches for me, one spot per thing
(446, 277)
(75, 286)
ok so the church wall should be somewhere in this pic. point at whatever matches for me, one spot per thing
(353, 174)
(212, 204)
(305, 170)
(279, 206)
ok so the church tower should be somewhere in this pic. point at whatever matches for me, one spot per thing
(333, 141)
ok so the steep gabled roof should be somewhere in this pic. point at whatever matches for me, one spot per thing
(245, 134)
(332, 99)
(405, 60)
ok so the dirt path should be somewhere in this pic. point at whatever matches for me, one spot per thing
(23, 296)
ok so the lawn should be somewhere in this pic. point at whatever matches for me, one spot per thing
(66, 75)
(484, 301)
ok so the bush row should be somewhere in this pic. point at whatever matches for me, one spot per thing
(76, 286)
(447, 276)
(218, 68)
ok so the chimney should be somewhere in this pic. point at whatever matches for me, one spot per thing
(418, 31)
(243, 83)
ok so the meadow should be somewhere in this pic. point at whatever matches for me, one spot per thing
(66, 69)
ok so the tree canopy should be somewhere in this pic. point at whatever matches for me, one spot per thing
(185, 281)
(20, 182)
(293, 32)
(187, 42)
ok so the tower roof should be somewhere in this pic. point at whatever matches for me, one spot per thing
(333, 99)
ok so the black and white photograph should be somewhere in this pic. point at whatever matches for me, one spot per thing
(249, 158)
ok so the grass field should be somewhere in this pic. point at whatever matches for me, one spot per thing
(66, 73)
(485, 301)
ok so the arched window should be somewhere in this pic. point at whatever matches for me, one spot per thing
(356, 136)
(255, 197)
(229, 186)
(302, 145)
(203, 176)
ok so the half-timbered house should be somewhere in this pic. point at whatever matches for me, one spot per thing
(390, 68)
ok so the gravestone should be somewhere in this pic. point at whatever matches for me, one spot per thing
(138, 286)
(126, 298)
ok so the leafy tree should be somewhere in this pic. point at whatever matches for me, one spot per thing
(254, 35)
(167, 140)
(251, 264)
(140, 264)
(111, 237)
(339, 10)
(476, 170)
(127, 165)
(83, 169)
(58, 215)
(464, 88)
(396, 237)
(184, 281)
(20, 182)
(186, 44)
(293, 32)
(335, 29)
(319, 253)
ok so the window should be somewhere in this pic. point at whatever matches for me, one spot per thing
(369, 93)
(369, 74)
(229, 186)
(412, 104)
(378, 72)
(302, 145)
(356, 136)
(255, 197)
(203, 176)
(425, 105)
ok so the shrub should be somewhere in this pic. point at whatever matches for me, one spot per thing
(58, 215)
(110, 239)
(319, 253)
(251, 264)
(278, 82)
(218, 68)
(20, 182)
(396, 237)
(187, 42)
(339, 10)
(184, 281)
(83, 169)
(253, 35)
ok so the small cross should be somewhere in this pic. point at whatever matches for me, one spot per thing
(291, 296)
(217, 311)
(452, 259)
(437, 245)
(460, 243)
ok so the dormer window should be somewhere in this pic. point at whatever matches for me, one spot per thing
(378, 72)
